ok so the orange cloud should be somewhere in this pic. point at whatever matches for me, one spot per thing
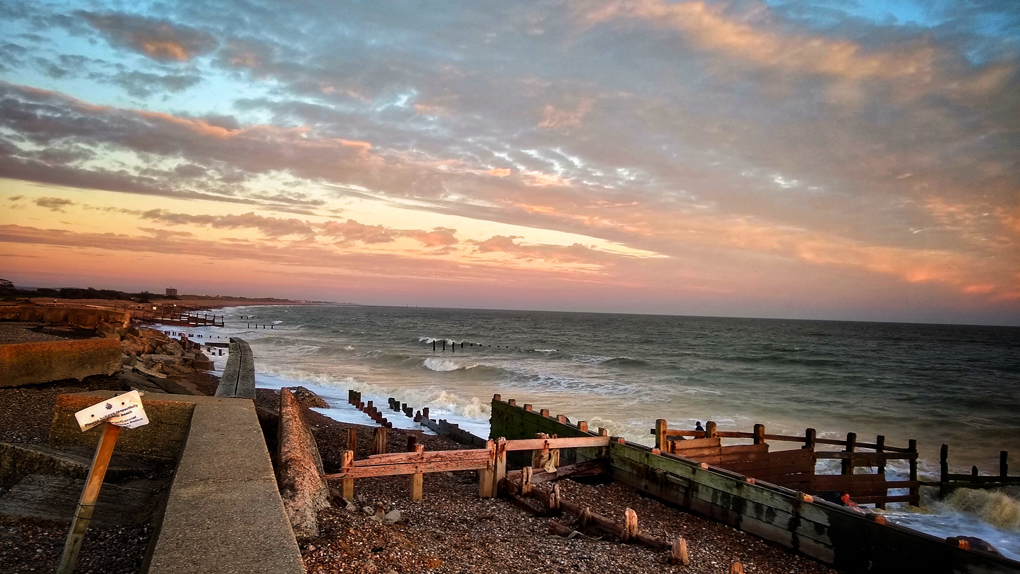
(707, 28)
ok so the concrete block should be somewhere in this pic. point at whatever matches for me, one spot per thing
(46, 361)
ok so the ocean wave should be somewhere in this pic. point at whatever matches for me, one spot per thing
(624, 362)
(992, 507)
(450, 365)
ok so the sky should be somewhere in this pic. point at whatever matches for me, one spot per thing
(808, 159)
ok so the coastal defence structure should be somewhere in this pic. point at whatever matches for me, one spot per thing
(45, 361)
(836, 535)
(223, 512)
(238, 378)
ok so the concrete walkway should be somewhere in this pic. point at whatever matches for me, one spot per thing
(224, 513)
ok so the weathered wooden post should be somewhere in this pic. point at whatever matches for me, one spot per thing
(1003, 467)
(500, 468)
(809, 439)
(527, 408)
(915, 491)
(630, 526)
(759, 434)
(583, 427)
(710, 429)
(485, 475)
(412, 443)
(851, 445)
(544, 413)
(379, 441)
(526, 485)
(347, 483)
(880, 449)
(352, 439)
(425, 412)
(678, 553)
(660, 434)
(417, 479)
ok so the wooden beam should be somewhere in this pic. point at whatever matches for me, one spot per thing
(556, 443)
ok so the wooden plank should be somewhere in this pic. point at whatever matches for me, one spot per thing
(409, 468)
(868, 458)
(697, 443)
(423, 457)
(802, 464)
(557, 443)
(698, 453)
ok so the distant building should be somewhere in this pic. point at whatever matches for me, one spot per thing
(171, 292)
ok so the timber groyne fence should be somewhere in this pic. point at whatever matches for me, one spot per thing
(848, 540)
(795, 467)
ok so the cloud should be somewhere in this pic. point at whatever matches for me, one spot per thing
(557, 118)
(272, 227)
(158, 39)
(143, 85)
(351, 231)
(53, 203)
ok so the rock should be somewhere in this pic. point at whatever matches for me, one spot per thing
(351, 507)
(368, 510)
(104, 329)
(392, 517)
(172, 348)
(308, 398)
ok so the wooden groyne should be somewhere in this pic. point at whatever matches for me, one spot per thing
(171, 316)
(795, 468)
(949, 481)
(836, 535)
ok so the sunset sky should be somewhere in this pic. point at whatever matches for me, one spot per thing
(819, 159)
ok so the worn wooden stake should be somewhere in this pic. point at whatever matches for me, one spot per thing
(678, 553)
(879, 448)
(486, 474)
(1003, 467)
(736, 568)
(347, 484)
(526, 474)
(660, 434)
(352, 439)
(417, 479)
(759, 434)
(851, 445)
(379, 441)
(87, 502)
(499, 472)
(630, 527)
(710, 429)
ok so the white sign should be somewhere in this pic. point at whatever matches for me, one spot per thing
(123, 410)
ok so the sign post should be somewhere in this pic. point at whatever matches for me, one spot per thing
(120, 411)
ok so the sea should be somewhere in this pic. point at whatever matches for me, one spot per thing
(957, 385)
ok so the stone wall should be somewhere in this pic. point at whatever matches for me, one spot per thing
(46, 361)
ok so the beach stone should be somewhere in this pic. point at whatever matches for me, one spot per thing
(299, 474)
